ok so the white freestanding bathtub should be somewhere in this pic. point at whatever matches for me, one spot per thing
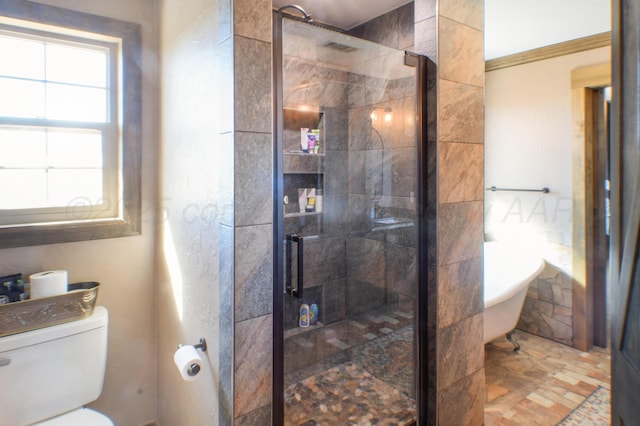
(508, 271)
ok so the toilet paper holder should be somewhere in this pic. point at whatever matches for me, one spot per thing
(202, 345)
(194, 368)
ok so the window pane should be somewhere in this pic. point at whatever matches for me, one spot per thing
(20, 98)
(21, 58)
(20, 147)
(85, 154)
(68, 148)
(22, 189)
(69, 64)
(75, 188)
(76, 103)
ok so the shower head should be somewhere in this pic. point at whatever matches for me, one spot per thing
(340, 47)
(306, 16)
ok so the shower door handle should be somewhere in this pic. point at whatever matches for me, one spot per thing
(298, 239)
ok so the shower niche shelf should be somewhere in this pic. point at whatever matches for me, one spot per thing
(293, 121)
(302, 154)
(296, 331)
(292, 182)
(300, 214)
(301, 170)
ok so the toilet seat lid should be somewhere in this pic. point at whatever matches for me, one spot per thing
(79, 417)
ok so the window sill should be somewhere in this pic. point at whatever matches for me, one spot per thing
(40, 234)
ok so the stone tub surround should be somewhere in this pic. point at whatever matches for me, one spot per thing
(548, 307)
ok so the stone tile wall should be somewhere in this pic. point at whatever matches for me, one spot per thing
(450, 33)
(252, 139)
(346, 269)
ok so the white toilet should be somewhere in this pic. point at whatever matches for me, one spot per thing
(47, 375)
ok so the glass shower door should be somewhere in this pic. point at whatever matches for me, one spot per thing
(348, 170)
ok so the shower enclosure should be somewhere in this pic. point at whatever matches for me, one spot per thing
(349, 229)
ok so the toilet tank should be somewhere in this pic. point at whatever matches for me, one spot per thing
(52, 370)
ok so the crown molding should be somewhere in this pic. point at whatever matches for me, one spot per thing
(560, 49)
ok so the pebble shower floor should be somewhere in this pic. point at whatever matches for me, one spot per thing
(365, 376)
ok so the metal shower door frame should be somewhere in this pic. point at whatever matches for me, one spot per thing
(426, 214)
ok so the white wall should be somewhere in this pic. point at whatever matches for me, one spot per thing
(195, 250)
(513, 26)
(123, 266)
(528, 145)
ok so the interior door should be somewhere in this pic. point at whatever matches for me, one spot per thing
(625, 238)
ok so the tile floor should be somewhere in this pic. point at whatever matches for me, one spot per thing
(347, 395)
(355, 372)
(359, 372)
(540, 384)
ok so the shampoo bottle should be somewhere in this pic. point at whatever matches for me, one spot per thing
(311, 143)
(319, 200)
(313, 313)
(304, 315)
(316, 146)
(304, 139)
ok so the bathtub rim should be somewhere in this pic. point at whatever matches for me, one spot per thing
(514, 288)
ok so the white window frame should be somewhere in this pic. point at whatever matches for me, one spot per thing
(118, 214)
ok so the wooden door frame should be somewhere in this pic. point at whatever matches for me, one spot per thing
(598, 272)
(584, 81)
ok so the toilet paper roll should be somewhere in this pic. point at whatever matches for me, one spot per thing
(48, 283)
(188, 362)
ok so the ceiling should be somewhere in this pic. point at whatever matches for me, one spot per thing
(344, 14)
(511, 26)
